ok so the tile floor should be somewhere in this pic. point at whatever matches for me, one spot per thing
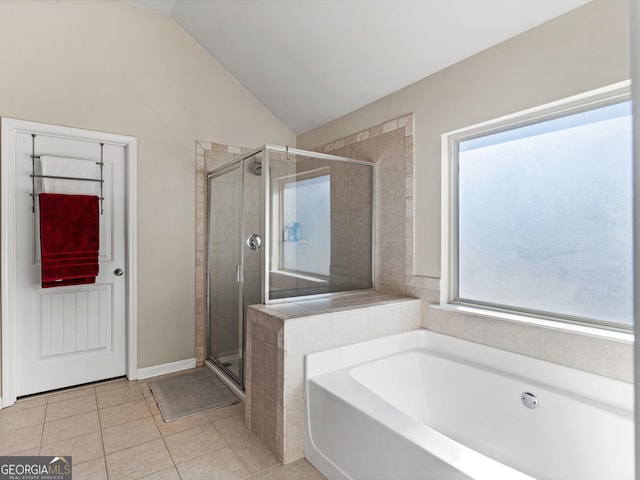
(114, 430)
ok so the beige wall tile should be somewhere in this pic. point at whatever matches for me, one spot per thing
(623, 362)
(257, 400)
(467, 327)
(388, 126)
(514, 337)
(394, 318)
(294, 446)
(375, 131)
(293, 381)
(579, 351)
(362, 136)
(350, 326)
(269, 423)
(270, 381)
(392, 187)
(402, 121)
(390, 227)
(307, 334)
(388, 151)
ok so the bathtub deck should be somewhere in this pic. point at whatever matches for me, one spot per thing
(280, 335)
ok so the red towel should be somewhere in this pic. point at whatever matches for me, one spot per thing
(69, 239)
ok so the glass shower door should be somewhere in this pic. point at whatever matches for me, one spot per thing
(235, 260)
(225, 323)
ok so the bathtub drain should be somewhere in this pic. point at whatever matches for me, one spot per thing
(529, 400)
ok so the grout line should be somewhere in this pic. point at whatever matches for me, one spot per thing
(164, 442)
(44, 421)
(104, 453)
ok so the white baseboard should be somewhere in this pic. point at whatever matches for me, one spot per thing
(165, 368)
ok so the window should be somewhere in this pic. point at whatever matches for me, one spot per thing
(306, 214)
(540, 212)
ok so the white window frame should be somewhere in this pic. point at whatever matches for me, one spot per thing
(448, 284)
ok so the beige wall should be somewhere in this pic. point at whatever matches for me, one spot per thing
(114, 67)
(582, 50)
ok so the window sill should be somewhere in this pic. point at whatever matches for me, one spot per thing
(540, 322)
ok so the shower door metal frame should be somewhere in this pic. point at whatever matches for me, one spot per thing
(266, 181)
(218, 172)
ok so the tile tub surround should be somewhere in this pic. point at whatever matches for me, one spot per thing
(390, 145)
(278, 337)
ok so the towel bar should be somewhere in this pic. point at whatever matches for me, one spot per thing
(67, 178)
(34, 175)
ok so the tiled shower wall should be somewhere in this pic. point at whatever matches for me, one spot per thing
(390, 146)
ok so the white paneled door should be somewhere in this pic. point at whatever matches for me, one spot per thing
(68, 335)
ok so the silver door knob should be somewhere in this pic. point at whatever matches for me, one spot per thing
(118, 272)
(254, 241)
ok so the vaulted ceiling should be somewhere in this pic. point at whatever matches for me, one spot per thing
(311, 61)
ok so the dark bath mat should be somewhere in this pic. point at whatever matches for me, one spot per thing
(190, 393)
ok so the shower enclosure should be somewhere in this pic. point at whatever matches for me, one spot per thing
(282, 223)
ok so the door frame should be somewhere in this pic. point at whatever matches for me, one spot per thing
(9, 128)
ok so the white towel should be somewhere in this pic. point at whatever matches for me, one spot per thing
(69, 167)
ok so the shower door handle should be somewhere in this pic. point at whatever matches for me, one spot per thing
(254, 241)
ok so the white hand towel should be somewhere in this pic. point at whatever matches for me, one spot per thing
(69, 167)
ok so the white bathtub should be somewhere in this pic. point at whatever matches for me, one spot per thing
(420, 405)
